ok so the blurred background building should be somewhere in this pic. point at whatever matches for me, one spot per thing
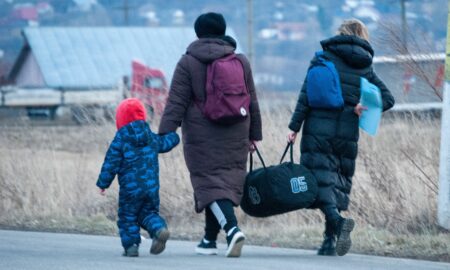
(284, 33)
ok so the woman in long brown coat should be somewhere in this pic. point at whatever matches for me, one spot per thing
(216, 155)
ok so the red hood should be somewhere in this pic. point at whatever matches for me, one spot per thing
(129, 110)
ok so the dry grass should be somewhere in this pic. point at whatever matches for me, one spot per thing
(48, 174)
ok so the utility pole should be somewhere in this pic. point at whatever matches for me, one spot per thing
(404, 26)
(250, 31)
(125, 9)
(444, 166)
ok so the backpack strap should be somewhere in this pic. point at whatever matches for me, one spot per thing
(320, 55)
(242, 59)
(228, 56)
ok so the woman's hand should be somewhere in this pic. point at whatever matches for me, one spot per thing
(252, 147)
(292, 136)
(102, 192)
(359, 109)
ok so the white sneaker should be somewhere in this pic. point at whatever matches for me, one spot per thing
(235, 242)
(206, 248)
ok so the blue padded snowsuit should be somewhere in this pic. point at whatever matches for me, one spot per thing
(133, 156)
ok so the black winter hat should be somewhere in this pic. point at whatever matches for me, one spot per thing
(210, 24)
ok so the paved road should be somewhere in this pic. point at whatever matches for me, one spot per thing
(48, 251)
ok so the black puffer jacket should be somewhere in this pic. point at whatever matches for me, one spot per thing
(329, 143)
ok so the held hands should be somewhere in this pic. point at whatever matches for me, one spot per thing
(102, 191)
(359, 109)
(292, 136)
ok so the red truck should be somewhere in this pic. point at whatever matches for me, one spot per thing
(150, 86)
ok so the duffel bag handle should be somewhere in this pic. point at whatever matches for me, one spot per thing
(290, 146)
(259, 156)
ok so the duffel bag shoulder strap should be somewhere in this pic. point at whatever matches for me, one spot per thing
(259, 156)
(289, 146)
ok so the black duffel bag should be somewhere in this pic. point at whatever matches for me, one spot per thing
(278, 189)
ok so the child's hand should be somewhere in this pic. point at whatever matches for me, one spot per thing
(102, 192)
(359, 109)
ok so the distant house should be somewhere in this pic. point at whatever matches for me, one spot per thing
(83, 58)
(85, 66)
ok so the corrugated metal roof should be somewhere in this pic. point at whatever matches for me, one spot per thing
(94, 57)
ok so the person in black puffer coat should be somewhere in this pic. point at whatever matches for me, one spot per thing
(329, 143)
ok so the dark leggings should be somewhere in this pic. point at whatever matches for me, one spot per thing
(219, 214)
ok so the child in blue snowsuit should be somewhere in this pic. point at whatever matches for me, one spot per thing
(133, 156)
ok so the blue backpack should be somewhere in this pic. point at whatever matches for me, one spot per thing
(323, 87)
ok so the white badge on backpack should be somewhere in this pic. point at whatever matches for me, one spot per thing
(243, 111)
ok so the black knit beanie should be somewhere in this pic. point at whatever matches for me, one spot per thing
(210, 24)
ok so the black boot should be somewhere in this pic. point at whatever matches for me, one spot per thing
(328, 247)
(342, 227)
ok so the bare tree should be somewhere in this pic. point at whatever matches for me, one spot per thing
(412, 50)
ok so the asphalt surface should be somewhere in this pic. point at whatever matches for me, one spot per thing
(47, 251)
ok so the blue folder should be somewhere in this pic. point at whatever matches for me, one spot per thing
(370, 98)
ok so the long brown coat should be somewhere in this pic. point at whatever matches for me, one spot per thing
(215, 155)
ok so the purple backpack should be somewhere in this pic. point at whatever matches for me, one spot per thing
(227, 98)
